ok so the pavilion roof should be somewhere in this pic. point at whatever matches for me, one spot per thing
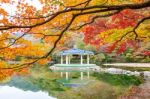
(76, 51)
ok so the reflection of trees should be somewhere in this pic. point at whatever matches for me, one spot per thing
(34, 84)
(5, 75)
(23, 83)
(38, 79)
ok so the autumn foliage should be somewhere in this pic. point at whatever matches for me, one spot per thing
(103, 32)
(33, 29)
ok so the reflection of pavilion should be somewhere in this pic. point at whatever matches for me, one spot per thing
(66, 66)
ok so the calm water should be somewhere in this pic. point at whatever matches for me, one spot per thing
(29, 88)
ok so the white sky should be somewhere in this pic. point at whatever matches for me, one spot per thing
(11, 8)
(7, 92)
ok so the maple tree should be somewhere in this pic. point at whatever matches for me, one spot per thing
(111, 31)
(52, 18)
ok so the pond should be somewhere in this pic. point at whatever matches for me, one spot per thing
(41, 83)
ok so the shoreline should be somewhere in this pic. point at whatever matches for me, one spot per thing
(128, 64)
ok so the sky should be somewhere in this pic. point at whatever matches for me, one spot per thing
(11, 8)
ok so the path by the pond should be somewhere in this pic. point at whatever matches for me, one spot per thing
(129, 64)
(140, 92)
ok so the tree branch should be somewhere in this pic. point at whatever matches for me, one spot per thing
(46, 55)
(102, 8)
(96, 17)
(61, 34)
(15, 40)
(134, 29)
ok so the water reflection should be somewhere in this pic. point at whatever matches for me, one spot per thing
(22, 83)
(22, 88)
(7, 92)
(39, 85)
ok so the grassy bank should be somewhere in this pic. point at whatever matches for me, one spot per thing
(118, 79)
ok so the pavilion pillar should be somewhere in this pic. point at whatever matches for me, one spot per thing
(88, 59)
(69, 59)
(66, 59)
(81, 75)
(61, 59)
(81, 60)
(67, 76)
